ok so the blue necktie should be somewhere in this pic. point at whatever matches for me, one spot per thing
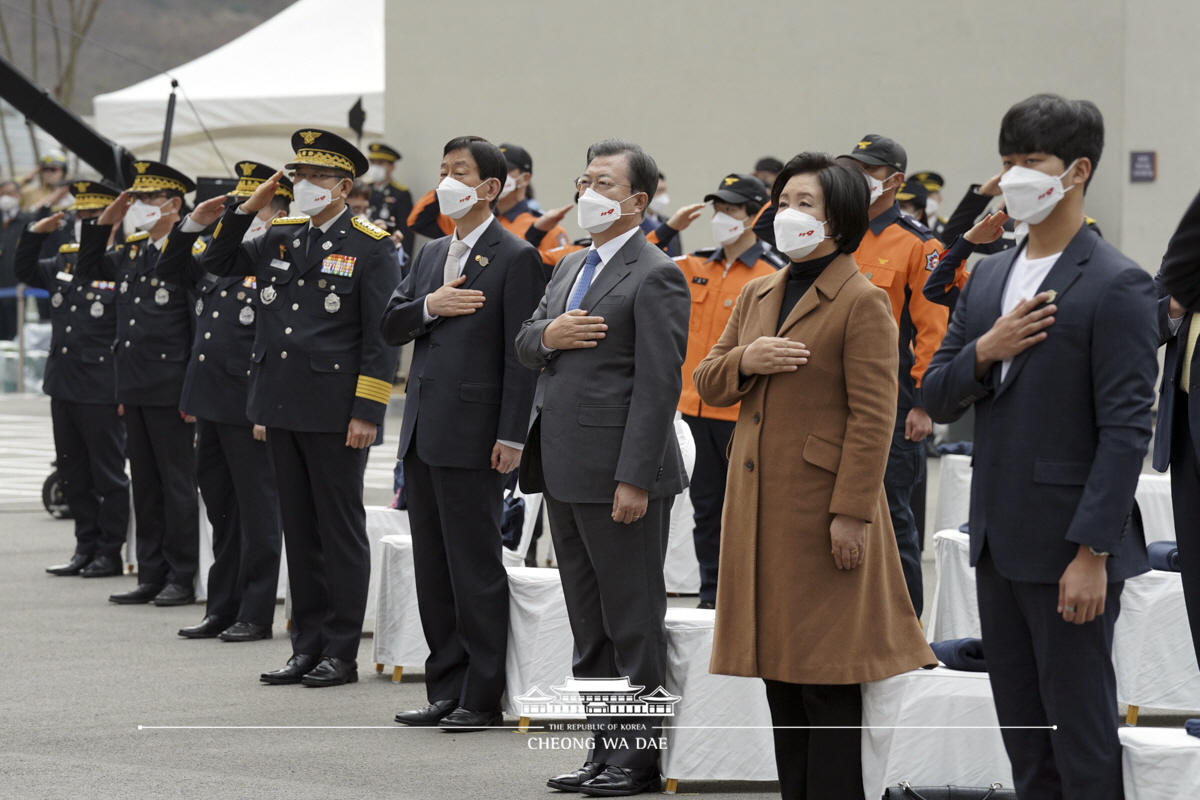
(585, 280)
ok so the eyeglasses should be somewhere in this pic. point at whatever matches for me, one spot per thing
(296, 177)
(601, 185)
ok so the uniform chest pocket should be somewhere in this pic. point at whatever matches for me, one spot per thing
(883, 277)
(331, 301)
(699, 295)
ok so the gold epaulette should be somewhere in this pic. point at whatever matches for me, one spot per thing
(69, 248)
(374, 231)
(199, 247)
(1089, 221)
(289, 220)
(400, 186)
(137, 237)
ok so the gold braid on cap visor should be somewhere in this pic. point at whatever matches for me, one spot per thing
(246, 186)
(91, 202)
(155, 183)
(324, 158)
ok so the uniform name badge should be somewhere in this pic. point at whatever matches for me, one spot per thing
(56, 299)
(162, 296)
(65, 277)
(246, 315)
(279, 264)
(199, 307)
(332, 303)
(267, 295)
(97, 309)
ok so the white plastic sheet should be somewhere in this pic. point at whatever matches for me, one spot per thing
(540, 645)
(1160, 764)
(681, 571)
(954, 613)
(1152, 645)
(399, 640)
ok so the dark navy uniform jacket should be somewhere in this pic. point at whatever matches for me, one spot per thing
(154, 317)
(217, 384)
(83, 318)
(393, 202)
(318, 357)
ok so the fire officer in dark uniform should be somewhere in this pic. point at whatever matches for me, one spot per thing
(390, 201)
(232, 464)
(154, 336)
(89, 435)
(320, 383)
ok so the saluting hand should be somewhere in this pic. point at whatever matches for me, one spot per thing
(686, 216)
(450, 301)
(116, 210)
(546, 222)
(1014, 333)
(992, 187)
(209, 211)
(768, 355)
(988, 229)
(262, 195)
(47, 224)
(573, 330)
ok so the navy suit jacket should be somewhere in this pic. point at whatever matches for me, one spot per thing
(1059, 444)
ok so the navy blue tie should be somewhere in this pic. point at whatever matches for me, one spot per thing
(585, 280)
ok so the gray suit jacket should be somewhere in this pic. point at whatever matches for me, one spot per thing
(604, 414)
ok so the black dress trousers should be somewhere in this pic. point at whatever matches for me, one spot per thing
(89, 441)
(818, 741)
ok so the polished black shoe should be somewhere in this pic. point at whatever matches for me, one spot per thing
(175, 595)
(332, 672)
(622, 781)
(72, 567)
(103, 567)
(707, 604)
(297, 666)
(464, 720)
(245, 632)
(571, 781)
(144, 593)
(431, 714)
(208, 628)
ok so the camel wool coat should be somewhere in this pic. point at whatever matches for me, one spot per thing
(808, 445)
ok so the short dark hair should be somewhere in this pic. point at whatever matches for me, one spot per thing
(488, 158)
(846, 195)
(643, 172)
(359, 189)
(281, 203)
(1048, 123)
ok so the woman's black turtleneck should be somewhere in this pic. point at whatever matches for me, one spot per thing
(802, 276)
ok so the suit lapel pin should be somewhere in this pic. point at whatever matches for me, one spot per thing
(295, 243)
(481, 260)
(1053, 294)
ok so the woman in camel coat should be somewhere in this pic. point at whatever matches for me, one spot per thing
(810, 594)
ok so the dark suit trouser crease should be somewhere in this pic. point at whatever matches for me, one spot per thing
(89, 443)
(612, 576)
(1044, 672)
(238, 487)
(320, 485)
(817, 764)
(905, 470)
(162, 461)
(462, 587)
(1185, 502)
(707, 493)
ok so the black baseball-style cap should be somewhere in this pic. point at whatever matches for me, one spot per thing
(930, 180)
(517, 157)
(739, 189)
(769, 164)
(879, 151)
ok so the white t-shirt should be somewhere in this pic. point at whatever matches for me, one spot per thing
(1023, 283)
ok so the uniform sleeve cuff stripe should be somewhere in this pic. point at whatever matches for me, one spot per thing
(373, 387)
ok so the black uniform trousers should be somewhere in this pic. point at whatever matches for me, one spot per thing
(1044, 672)
(462, 587)
(612, 577)
(320, 485)
(238, 487)
(162, 460)
(707, 493)
(89, 441)
(1185, 502)
(821, 764)
(905, 471)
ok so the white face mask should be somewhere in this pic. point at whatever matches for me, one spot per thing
(9, 202)
(455, 198)
(596, 213)
(931, 207)
(876, 187)
(143, 216)
(510, 185)
(310, 198)
(661, 203)
(1030, 195)
(797, 234)
(726, 229)
(257, 229)
(78, 229)
(375, 173)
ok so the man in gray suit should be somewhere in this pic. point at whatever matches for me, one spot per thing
(609, 337)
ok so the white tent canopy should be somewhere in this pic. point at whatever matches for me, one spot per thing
(254, 91)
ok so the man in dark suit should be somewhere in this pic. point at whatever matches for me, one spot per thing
(233, 467)
(1054, 344)
(609, 337)
(466, 414)
(1177, 434)
(320, 383)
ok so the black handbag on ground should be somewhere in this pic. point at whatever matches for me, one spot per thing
(906, 791)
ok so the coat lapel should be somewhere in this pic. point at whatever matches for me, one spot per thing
(770, 301)
(828, 283)
(569, 271)
(617, 268)
(482, 253)
(334, 237)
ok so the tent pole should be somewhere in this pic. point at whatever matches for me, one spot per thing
(166, 142)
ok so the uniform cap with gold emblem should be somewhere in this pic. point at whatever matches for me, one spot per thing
(317, 148)
(932, 181)
(378, 151)
(252, 174)
(153, 176)
(92, 195)
(879, 151)
(517, 157)
(913, 192)
(738, 190)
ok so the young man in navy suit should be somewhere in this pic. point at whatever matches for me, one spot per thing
(1054, 344)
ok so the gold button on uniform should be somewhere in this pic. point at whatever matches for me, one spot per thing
(202, 356)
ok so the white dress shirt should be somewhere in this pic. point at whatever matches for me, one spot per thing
(470, 240)
(606, 251)
(1023, 283)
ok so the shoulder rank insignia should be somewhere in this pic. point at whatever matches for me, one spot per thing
(69, 248)
(199, 247)
(137, 237)
(402, 187)
(373, 231)
(289, 220)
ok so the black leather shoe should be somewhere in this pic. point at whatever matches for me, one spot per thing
(571, 781)
(464, 720)
(622, 781)
(297, 666)
(707, 604)
(144, 593)
(103, 567)
(332, 672)
(245, 632)
(72, 567)
(175, 595)
(208, 628)
(431, 714)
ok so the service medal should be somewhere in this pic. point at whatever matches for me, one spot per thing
(199, 307)
(162, 296)
(246, 315)
(332, 303)
(56, 300)
(97, 309)
(268, 295)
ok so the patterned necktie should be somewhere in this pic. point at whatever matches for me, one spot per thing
(1189, 351)
(585, 280)
(458, 249)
